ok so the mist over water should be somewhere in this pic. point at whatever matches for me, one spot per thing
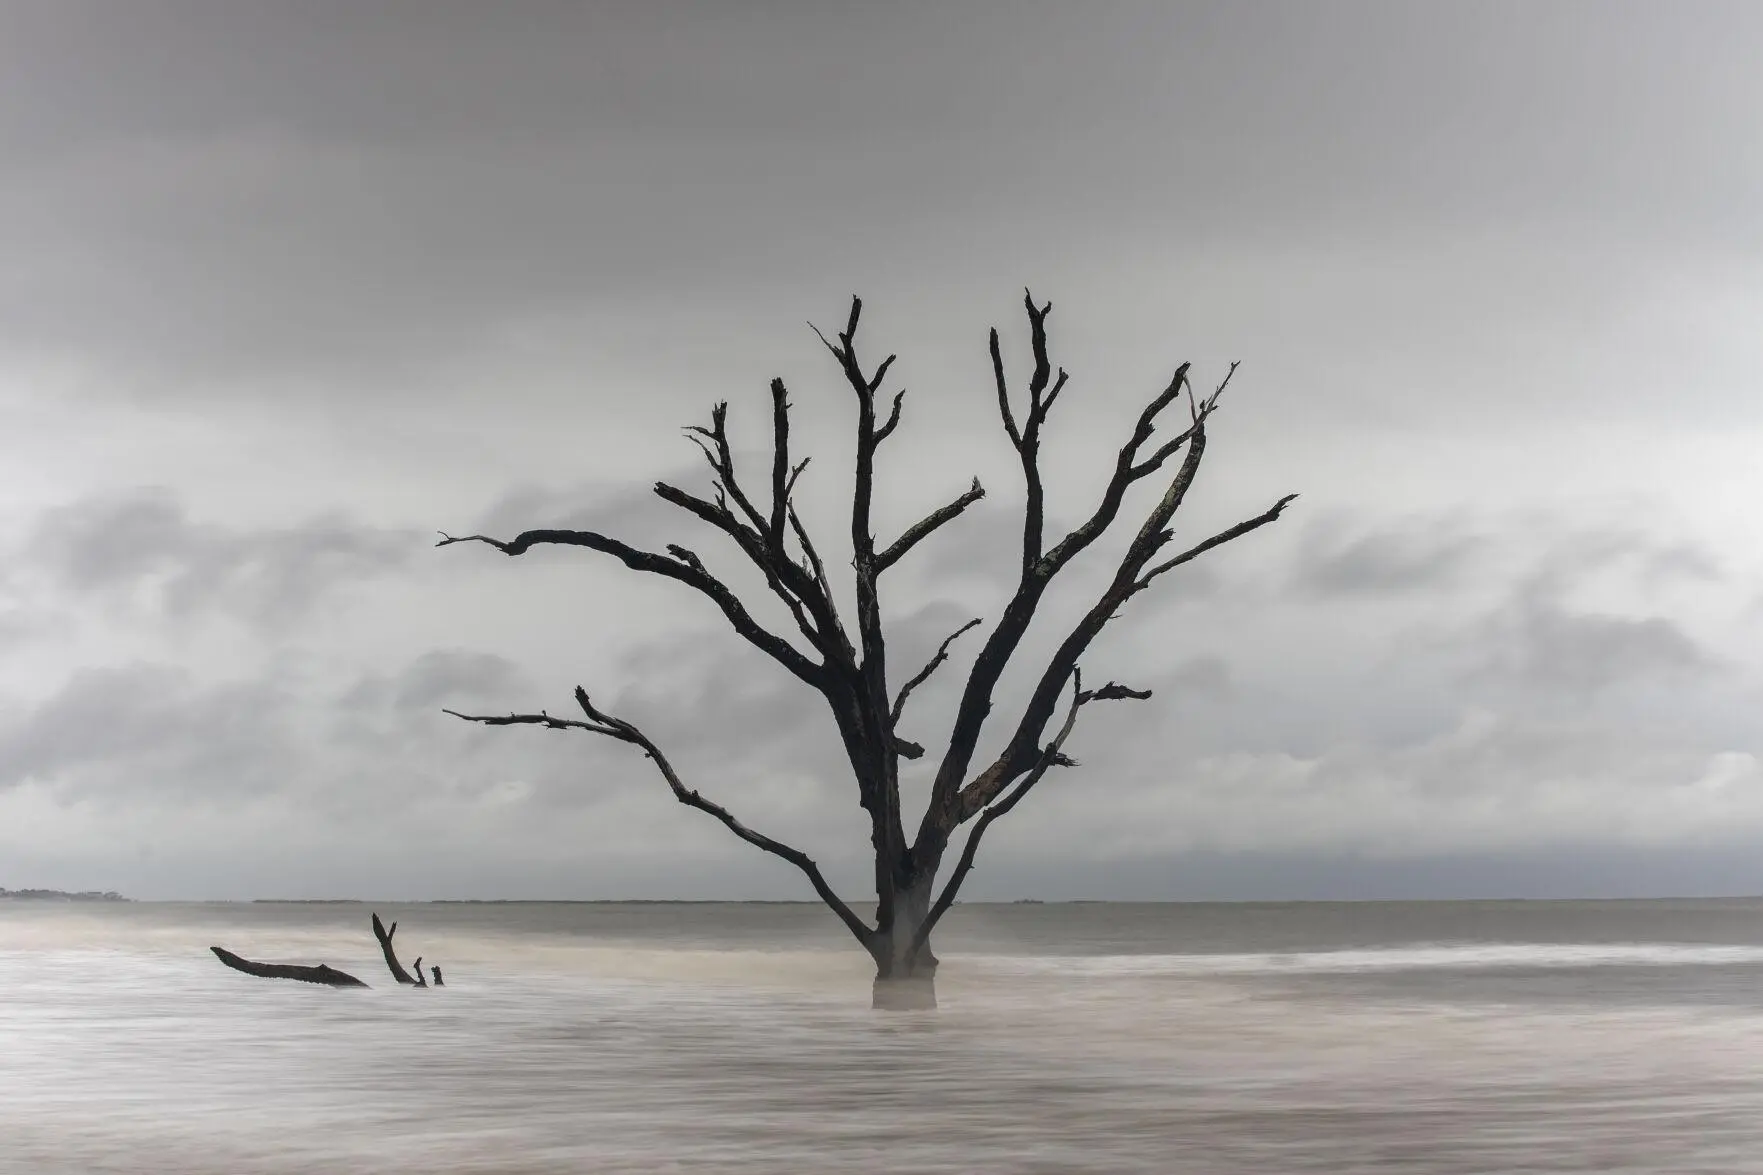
(1447, 1037)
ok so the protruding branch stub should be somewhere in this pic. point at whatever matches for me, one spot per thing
(384, 934)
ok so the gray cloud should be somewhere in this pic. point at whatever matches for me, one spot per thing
(1201, 677)
(1425, 554)
(141, 549)
(1548, 648)
(152, 732)
(383, 195)
(1540, 640)
(1573, 554)
(327, 273)
(442, 678)
(1482, 783)
(155, 740)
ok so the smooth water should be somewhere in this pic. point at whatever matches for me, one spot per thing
(1436, 1037)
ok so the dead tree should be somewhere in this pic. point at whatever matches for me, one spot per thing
(846, 663)
(324, 973)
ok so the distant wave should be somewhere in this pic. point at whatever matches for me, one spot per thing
(1435, 957)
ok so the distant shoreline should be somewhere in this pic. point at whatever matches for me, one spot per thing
(1235, 902)
(88, 896)
(60, 895)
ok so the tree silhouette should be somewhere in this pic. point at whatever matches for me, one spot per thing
(849, 669)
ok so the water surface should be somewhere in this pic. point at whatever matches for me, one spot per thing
(1424, 1037)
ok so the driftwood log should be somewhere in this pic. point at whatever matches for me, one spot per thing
(327, 975)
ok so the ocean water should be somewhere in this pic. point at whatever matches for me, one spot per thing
(1423, 1037)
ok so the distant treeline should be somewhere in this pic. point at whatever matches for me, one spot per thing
(58, 895)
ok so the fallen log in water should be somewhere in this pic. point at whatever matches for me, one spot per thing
(327, 975)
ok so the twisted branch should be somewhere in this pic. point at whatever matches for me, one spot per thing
(601, 723)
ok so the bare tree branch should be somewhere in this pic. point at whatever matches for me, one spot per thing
(1053, 755)
(690, 572)
(869, 739)
(795, 475)
(1018, 753)
(785, 579)
(781, 478)
(762, 539)
(1219, 539)
(1130, 579)
(723, 462)
(1114, 692)
(924, 527)
(893, 421)
(599, 722)
(1038, 570)
(881, 372)
(816, 568)
(1028, 444)
(1058, 386)
(1003, 383)
(808, 596)
(1127, 471)
(923, 675)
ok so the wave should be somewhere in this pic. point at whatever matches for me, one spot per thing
(1426, 957)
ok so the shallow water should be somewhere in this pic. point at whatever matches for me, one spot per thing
(1449, 1037)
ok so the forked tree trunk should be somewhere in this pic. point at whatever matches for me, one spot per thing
(385, 940)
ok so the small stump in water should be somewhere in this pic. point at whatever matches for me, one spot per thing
(912, 994)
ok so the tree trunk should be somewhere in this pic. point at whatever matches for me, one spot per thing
(905, 978)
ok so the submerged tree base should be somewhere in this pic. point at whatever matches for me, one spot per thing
(913, 994)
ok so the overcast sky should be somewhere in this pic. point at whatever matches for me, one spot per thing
(286, 288)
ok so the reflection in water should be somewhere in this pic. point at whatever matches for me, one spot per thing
(645, 1038)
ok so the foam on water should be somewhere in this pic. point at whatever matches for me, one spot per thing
(1441, 956)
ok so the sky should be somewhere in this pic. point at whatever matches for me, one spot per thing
(286, 289)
